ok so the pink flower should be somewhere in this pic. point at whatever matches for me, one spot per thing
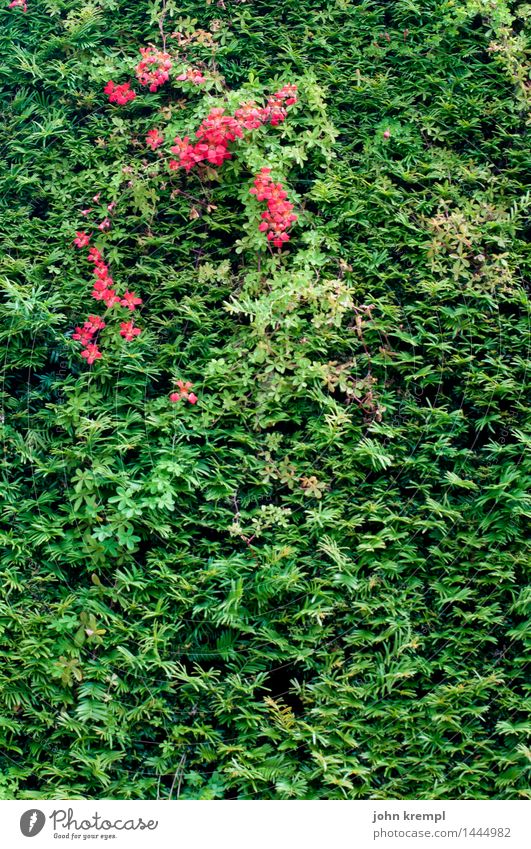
(85, 212)
(218, 128)
(192, 75)
(82, 239)
(250, 116)
(386, 134)
(82, 335)
(183, 393)
(186, 153)
(129, 331)
(99, 294)
(215, 133)
(105, 224)
(96, 197)
(288, 93)
(110, 298)
(279, 215)
(110, 206)
(120, 94)
(91, 353)
(154, 139)
(130, 300)
(91, 326)
(277, 105)
(96, 322)
(101, 271)
(18, 3)
(154, 68)
(94, 255)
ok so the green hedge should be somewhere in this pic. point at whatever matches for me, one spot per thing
(312, 584)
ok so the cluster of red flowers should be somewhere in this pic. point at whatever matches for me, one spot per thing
(129, 331)
(218, 130)
(120, 94)
(279, 215)
(277, 104)
(81, 240)
(215, 133)
(183, 393)
(154, 68)
(252, 116)
(85, 335)
(103, 282)
(102, 291)
(192, 75)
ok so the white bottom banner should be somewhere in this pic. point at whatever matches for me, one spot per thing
(262, 825)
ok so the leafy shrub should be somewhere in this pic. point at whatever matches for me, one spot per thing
(312, 582)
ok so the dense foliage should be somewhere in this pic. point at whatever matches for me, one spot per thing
(311, 583)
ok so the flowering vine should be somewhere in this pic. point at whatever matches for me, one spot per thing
(217, 130)
(212, 144)
(279, 214)
(103, 291)
(215, 133)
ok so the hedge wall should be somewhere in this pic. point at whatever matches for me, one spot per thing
(313, 582)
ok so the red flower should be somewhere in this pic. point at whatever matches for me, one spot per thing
(120, 94)
(288, 93)
(218, 128)
(183, 393)
(186, 153)
(110, 298)
(276, 110)
(130, 300)
(91, 353)
(82, 239)
(154, 139)
(279, 215)
(216, 131)
(192, 75)
(250, 116)
(154, 68)
(91, 326)
(102, 273)
(96, 322)
(82, 335)
(129, 331)
(94, 255)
